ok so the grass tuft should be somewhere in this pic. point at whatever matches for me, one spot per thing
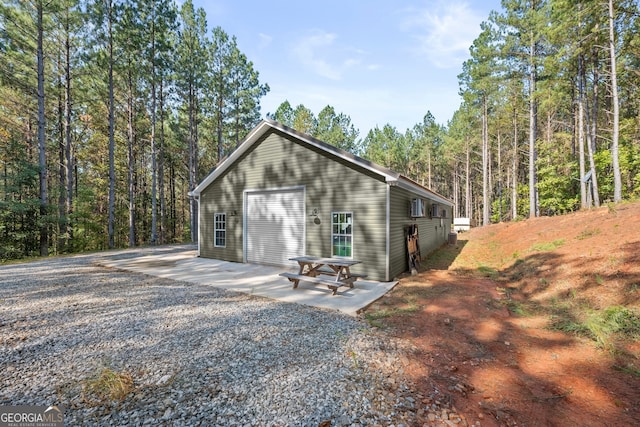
(632, 370)
(603, 325)
(518, 308)
(374, 316)
(545, 247)
(489, 272)
(107, 385)
(589, 232)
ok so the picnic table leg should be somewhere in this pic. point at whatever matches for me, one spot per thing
(337, 284)
(300, 271)
(301, 264)
(348, 277)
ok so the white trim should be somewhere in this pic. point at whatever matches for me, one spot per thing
(215, 230)
(244, 226)
(423, 191)
(199, 222)
(353, 221)
(388, 236)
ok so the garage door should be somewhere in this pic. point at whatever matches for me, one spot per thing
(275, 226)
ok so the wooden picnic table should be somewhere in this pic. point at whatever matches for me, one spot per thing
(333, 272)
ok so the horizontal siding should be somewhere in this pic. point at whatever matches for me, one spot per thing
(432, 232)
(330, 185)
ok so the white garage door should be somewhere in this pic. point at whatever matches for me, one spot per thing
(275, 226)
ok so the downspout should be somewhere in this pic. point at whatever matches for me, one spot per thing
(388, 235)
(197, 197)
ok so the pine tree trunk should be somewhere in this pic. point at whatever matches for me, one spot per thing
(131, 178)
(581, 124)
(154, 165)
(594, 134)
(514, 167)
(193, 163)
(499, 176)
(533, 131)
(42, 157)
(62, 173)
(617, 179)
(486, 220)
(467, 185)
(112, 171)
(161, 155)
(67, 132)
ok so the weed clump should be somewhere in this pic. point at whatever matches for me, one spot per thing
(106, 386)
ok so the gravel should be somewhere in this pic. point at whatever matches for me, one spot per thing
(196, 355)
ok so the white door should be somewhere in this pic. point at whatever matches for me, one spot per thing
(275, 226)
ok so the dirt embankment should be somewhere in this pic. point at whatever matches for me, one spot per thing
(529, 323)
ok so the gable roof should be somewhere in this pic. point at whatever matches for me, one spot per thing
(267, 125)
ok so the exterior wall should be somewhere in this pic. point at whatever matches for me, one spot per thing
(331, 185)
(432, 232)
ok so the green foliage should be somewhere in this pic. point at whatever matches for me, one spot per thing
(374, 317)
(175, 81)
(557, 172)
(283, 114)
(498, 208)
(603, 326)
(547, 246)
(337, 130)
(201, 94)
(329, 127)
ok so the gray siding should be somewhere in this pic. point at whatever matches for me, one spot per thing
(330, 184)
(433, 233)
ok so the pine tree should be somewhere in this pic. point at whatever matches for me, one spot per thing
(191, 74)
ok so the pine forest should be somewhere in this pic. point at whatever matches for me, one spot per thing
(111, 111)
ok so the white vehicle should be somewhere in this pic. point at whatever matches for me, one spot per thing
(461, 224)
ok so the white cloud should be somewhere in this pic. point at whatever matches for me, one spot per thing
(444, 32)
(310, 51)
(265, 40)
(322, 53)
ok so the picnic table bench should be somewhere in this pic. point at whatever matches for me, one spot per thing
(333, 272)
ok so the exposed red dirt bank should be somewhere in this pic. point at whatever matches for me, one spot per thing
(486, 343)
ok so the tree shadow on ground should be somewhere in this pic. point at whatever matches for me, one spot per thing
(495, 341)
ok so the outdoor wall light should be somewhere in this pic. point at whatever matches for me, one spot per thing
(234, 213)
(314, 214)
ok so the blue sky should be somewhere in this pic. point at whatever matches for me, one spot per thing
(378, 61)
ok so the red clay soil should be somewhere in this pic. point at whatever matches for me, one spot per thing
(482, 321)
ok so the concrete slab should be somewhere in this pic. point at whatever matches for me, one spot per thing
(250, 279)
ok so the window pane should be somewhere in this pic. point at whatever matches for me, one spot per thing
(341, 238)
(220, 230)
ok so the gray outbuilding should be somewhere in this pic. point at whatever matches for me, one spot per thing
(283, 194)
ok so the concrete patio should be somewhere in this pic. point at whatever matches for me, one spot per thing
(259, 280)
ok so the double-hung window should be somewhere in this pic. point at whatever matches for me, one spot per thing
(220, 230)
(342, 234)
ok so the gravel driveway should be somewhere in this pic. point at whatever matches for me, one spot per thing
(197, 355)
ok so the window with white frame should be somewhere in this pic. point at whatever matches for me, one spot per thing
(220, 230)
(417, 208)
(342, 234)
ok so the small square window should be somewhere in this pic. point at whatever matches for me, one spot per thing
(417, 208)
